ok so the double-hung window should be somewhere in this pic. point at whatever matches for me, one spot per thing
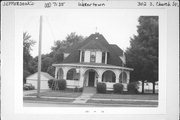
(93, 56)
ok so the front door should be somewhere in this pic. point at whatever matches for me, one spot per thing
(91, 78)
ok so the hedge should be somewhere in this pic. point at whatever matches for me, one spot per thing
(101, 88)
(132, 88)
(118, 88)
(55, 84)
(50, 83)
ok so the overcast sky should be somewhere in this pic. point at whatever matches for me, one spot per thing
(116, 25)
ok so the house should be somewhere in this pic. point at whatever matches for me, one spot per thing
(44, 80)
(148, 86)
(91, 61)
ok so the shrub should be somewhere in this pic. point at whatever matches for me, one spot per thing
(55, 84)
(118, 88)
(50, 83)
(101, 88)
(61, 84)
(132, 88)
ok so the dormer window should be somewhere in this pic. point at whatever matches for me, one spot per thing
(93, 56)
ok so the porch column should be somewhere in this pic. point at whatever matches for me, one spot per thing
(81, 77)
(65, 70)
(128, 76)
(117, 73)
(56, 70)
(100, 73)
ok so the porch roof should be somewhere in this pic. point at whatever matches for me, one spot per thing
(92, 65)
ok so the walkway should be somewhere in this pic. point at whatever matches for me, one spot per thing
(86, 95)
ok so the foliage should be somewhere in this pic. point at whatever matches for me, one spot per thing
(142, 55)
(55, 56)
(27, 47)
(57, 84)
(132, 88)
(51, 71)
(101, 87)
(62, 84)
(25, 74)
(50, 83)
(118, 88)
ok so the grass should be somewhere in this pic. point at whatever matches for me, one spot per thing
(122, 102)
(127, 96)
(49, 99)
(58, 94)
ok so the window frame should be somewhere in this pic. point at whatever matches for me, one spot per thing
(91, 57)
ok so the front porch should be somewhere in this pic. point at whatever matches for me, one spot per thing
(82, 75)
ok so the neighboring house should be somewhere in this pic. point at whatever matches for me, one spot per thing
(91, 61)
(44, 80)
(148, 86)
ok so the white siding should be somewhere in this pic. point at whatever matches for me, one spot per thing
(87, 56)
(44, 84)
(98, 57)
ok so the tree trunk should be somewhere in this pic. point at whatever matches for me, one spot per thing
(153, 87)
(142, 86)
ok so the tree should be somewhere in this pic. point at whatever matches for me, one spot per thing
(142, 55)
(27, 47)
(60, 46)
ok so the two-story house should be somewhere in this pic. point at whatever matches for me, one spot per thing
(93, 60)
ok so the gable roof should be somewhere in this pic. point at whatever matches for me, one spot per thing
(94, 41)
(116, 49)
(46, 75)
(94, 45)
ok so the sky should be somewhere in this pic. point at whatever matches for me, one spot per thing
(116, 25)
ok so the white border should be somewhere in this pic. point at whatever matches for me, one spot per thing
(10, 88)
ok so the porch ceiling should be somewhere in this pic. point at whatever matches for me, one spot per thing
(92, 65)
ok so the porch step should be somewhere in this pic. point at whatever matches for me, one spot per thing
(89, 90)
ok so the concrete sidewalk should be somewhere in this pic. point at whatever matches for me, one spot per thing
(83, 98)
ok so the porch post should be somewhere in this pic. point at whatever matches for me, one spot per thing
(100, 73)
(128, 76)
(81, 79)
(117, 73)
(65, 70)
(56, 70)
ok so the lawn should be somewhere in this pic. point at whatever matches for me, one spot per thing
(58, 94)
(125, 103)
(127, 96)
(48, 99)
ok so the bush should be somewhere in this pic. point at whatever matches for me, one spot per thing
(101, 88)
(132, 88)
(50, 82)
(57, 84)
(61, 84)
(118, 88)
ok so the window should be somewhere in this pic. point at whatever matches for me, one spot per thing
(72, 75)
(103, 57)
(82, 56)
(109, 76)
(93, 56)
